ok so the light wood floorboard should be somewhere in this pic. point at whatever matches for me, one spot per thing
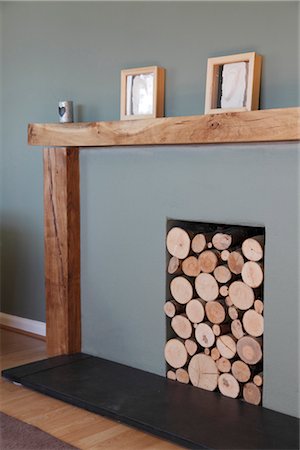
(76, 426)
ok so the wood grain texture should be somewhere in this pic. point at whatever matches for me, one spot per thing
(62, 250)
(251, 126)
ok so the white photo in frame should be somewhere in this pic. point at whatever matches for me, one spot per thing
(233, 83)
(142, 93)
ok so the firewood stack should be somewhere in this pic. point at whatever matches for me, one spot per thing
(215, 310)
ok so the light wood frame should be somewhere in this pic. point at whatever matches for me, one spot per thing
(253, 82)
(158, 91)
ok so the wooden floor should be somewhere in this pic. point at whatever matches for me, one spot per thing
(80, 428)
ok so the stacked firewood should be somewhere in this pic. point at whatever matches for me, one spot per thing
(215, 310)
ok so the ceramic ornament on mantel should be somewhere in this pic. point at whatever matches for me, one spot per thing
(65, 111)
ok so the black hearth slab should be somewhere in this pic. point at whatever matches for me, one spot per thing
(16, 373)
(181, 413)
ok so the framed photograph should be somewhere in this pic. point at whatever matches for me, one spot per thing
(142, 93)
(233, 83)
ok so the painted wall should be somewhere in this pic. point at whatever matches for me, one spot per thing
(75, 51)
(1, 152)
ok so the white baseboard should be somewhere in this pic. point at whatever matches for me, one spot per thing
(20, 323)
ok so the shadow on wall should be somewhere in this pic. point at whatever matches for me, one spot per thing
(22, 269)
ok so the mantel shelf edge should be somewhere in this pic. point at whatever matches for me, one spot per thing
(270, 125)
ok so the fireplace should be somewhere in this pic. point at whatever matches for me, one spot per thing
(214, 307)
(230, 182)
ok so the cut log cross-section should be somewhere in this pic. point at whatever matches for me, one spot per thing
(222, 241)
(198, 243)
(237, 329)
(215, 311)
(253, 247)
(252, 394)
(222, 274)
(252, 274)
(226, 346)
(228, 385)
(242, 296)
(203, 372)
(258, 306)
(178, 242)
(207, 287)
(253, 323)
(175, 353)
(191, 346)
(174, 265)
(191, 266)
(241, 371)
(182, 376)
(181, 290)
(223, 328)
(258, 379)
(235, 262)
(223, 364)
(195, 310)
(208, 261)
(171, 308)
(215, 354)
(182, 326)
(249, 349)
(204, 335)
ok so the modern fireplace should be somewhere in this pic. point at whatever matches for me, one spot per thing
(258, 179)
(214, 307)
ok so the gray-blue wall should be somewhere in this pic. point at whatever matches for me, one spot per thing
(1, 152)
(54, 51)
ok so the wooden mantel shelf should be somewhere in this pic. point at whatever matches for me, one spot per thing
(270, 125)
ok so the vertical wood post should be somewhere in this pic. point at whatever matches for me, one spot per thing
(62, 249)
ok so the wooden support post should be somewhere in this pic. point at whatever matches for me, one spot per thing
(62, 250)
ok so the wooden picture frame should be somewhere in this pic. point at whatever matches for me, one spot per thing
(244, 85)
(142, 93)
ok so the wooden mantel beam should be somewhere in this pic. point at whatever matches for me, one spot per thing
(270, 125)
